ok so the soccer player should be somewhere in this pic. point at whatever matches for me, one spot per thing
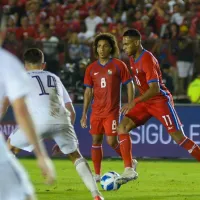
(53, 114)
(14, 83)
(154, 101)
(103, 80)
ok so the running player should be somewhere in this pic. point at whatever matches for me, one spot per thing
(51, 107)
(14, 83)
(154, 101)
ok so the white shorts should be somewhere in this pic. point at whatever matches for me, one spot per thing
(185, 69)
(63, 134)
(14, 181)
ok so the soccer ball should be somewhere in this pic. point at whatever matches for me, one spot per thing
(108, 181)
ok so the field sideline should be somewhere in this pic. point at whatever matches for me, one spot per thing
(158, 180)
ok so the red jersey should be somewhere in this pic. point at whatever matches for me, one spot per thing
(145, 69)
(106, 83)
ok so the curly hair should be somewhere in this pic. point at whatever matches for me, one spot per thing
(111, 40)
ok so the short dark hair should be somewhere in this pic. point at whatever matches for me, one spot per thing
(112, 41)
(132, 33)
(34, 56)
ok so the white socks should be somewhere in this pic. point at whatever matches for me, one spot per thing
(85, 173)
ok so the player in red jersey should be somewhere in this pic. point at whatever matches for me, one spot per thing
(154, 101)
(103, 80)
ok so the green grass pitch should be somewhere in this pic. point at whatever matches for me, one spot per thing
(158, 180)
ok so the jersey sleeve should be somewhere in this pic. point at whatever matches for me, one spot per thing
(15, 79)
(125, 74)
(150, 67)
(66, 96)
(88, 79)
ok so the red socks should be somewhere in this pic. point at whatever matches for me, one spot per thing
(191, 147)
(126, 149)
(117, 149)
(97, 155)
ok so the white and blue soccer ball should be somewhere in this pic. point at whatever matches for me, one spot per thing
(108, 181)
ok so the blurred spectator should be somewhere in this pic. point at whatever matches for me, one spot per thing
(74, 50)
(12, 44)
(157, 15)
(82, 34)
(12, 23)
(161, 50)
(167, 78)
(185, 59)
(173, 35)
(91, 22)
(193, 91)
(32, 19)
(106, 19)
(25, 31)
(195, 26)
(41, 34)
(51, 51)
(177, 16)
(104, 6)
(54, 10)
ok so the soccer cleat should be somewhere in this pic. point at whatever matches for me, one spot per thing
(97, 177)
(128, 175)
(134, 164)
(98, 198)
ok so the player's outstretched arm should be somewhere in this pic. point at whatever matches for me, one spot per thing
(25, 122)
(87, 99)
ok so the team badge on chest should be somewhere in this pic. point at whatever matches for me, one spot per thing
(109, 72)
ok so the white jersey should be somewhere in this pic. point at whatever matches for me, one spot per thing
(14, 83)
(47, 99)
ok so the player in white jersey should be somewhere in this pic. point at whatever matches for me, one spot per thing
(14, 83)
(54, 116)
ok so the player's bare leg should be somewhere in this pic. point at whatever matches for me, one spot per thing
(183, 141)
(114, 143)
(126, 150)
(97, 155)
(85, 173)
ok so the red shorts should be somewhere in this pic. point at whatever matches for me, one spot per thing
(107, 125)
(162, 110)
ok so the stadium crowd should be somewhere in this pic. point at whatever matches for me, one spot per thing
(65, 30)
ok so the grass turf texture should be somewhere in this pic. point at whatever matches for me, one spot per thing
(158, 180)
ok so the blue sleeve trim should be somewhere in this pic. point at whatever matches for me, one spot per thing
(88, 86)
(128, 81)
(153, 80)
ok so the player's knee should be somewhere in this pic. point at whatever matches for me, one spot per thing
(74, 156)
(121, 128)
(15, 150)
(97, 140)
(112, 142)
